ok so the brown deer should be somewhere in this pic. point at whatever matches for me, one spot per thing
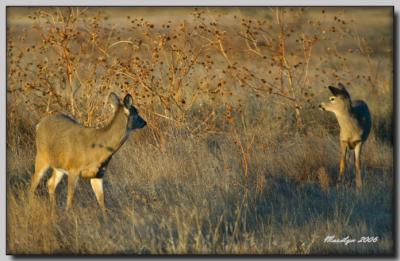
(354, 120)
(66, 147)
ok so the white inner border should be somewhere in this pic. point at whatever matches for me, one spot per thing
(5, 3)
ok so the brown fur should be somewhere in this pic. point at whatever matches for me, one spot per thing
(354, 120)
(67, 147)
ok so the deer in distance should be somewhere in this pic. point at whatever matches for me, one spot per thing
(354, 121)
(68, 148)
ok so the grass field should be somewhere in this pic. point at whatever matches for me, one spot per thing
(236, 157)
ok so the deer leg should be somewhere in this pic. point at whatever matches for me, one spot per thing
(342, 168)
(357, 153)
(52, 185)
(72, 180)
(97, 186)
(40, 169)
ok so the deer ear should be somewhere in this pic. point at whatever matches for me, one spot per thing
(128, 101)
(341, 86)
(114, 100)
(335, 91)
(341, 91)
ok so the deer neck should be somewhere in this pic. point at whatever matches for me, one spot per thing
(344, 118)
(115, 133)
(348, 124)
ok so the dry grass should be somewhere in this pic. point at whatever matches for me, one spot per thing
(235, 159)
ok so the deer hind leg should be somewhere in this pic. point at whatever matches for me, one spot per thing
(342, 168)
(52, 185)
(72, 180)
(41, 166)
(97, 186)
(357, 153)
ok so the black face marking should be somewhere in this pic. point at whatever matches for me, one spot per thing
(93, 145)
(101, 145)
(109, 149)
(134, 120)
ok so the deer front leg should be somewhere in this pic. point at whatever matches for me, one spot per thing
(72, 180)
(342, 168)
(52, 185)
(41, 166)
(357, 152)
(97, 186)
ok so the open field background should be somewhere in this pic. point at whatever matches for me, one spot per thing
(236, 158)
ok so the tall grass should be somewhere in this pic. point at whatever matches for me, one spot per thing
(235, 159)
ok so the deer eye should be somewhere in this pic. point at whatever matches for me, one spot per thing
(332, 99)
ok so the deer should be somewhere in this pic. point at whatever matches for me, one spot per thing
(66, 147)
(354, 120)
